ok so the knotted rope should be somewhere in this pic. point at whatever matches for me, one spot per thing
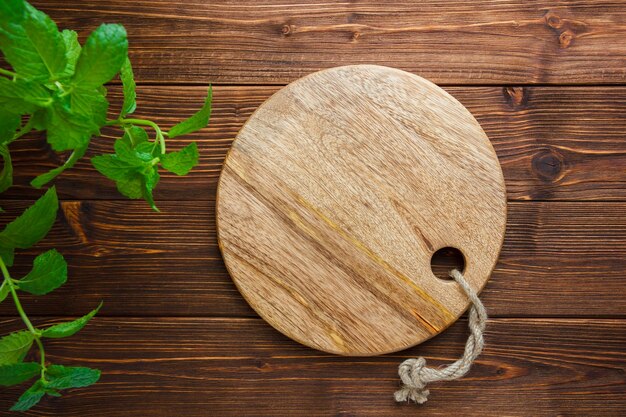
(416, 375)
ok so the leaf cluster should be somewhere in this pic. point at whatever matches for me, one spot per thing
(58, 86)
(48, 273)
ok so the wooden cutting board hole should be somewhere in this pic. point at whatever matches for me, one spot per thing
(445, 260)
(336, 194)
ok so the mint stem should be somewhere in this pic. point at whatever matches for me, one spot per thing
(8, 73)
(159, 140)
(18, 305)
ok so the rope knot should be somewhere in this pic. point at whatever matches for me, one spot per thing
(414, 373)
(414, 388)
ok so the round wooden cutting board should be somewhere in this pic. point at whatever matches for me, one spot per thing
(334, 197)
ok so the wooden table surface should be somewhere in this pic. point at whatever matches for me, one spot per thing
(547, 82)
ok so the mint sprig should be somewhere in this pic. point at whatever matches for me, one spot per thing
(58, 86)
(48, 273)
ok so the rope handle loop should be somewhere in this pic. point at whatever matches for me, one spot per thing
(414, 373)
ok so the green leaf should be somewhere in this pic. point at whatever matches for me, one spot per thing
(131, 169)
(4, 291)
(150, 181)
(43, 179)
(127, 154)
(7, 255)
(33, 45)
(128, 83)
(12, 11)
(52, 392)
(69, 328)
(195, 122)
(134, 135)
(112, 167)
(181, 162)
(131, 185)
(15, 346)
(102, 56)
(33, 224)
(67, 129)
(6, 175)
(72, 51)
(18, 372)
(22, 96)
(91, 104)
(30, 397)
(9, 123)
(46, 39)
(137, 139)
(148, 151)
(38, 119)
(49, 273)
(64, 377)
(71, 123)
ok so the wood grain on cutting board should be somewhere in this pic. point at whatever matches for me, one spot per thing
(336, 194)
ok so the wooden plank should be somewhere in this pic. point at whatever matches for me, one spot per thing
(557, 143)
(270, 42)
(243, 367)
(558, 259)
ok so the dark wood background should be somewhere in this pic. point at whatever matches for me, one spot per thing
(546, 80)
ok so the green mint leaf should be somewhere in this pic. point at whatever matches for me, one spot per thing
(134, 135)
(91, 104)
(134, 176)
(72, 121)
(147, 152)
(64, 377)
(33, 45)
(128, 83)
(46, 39)
(150, 181)
(131, 185)
(112, 167)
(43, 179)
(22, 97)
(72, 51)
(181, 162)
(6, 175)
(137, 138)
(49, 273)
(30, 397)
(127, 154)
(69, 328)
(102, 56)
(195, 122)
(9, 123)
(7, 255)
(52, 392)
(4, 291)
(33, 224)
(67, 129)
(14, 346)
(38, 119)
(147, 149)
(18, 372)
(12, 11)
